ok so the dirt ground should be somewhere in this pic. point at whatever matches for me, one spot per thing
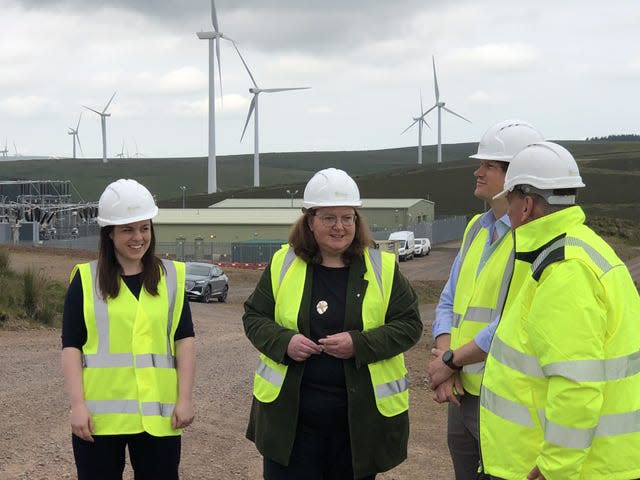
(35, 438)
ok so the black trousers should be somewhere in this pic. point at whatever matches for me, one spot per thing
(316, 455)
(152, 458)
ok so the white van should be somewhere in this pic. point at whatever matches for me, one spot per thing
(423, 247)
(406, 244)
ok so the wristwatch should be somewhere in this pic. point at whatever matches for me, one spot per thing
(447, 358)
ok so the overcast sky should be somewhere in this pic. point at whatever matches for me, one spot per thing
(570, 67)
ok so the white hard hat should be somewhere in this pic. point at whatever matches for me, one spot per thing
(506, 138)
(544, 166)
(331, 187)
(125, 201)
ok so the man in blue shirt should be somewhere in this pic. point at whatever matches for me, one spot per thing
(464, 324)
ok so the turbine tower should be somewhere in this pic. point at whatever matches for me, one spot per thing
(256, 91)
(213, 38)
(441, 106)
(6, 150)
(419, 120)
(103, 121)
(76, 136)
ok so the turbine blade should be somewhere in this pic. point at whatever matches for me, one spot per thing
(421, 107)
(79, 144)
(214, 17)
(245, 64)
(414, 122)
(96, 111)
(109, 102)
(425, 113)
(435, 79)
(425, 122)
(79, 118)
(272, 90)
(251, 107)
(454, 113)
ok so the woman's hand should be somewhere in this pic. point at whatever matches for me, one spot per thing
(183, 414)
(300, 348)
(81, 422)
(339, 345)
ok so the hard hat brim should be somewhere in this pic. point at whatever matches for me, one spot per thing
(103, 222)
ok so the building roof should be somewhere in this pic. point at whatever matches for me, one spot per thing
(280, 203)
(236, 216)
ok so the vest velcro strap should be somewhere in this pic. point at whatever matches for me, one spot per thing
(107, 360)
(157, 409)
(112, 406)
(269, 374)
(155, 360)
(392, 388)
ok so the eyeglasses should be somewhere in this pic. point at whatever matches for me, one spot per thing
(331, 220)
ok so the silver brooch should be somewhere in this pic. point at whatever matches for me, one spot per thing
(322, 306)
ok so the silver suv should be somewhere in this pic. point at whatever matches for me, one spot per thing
(206, 281)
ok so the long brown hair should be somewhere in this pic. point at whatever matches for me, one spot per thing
(109, 270)
(305, 246)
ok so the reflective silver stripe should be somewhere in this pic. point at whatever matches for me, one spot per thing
(455, 321)
(471, 235)
(105, 360)
(392, 388)
(157, 408)
(504, 408)
(269, 374)
(288, 260)
(568, 437)
(100, 311)
(375, 256)
(477, 367)
(112, 406)
(480, 314)
(619, 424)
(509, 356)
(595, 256)
(155, 360)
(172, 290)
(596, 370)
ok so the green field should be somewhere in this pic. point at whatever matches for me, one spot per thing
(611, 171)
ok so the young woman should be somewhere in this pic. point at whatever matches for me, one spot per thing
(128, 347)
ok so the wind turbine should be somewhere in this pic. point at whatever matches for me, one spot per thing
(213, 38)
(6, 150)
(441, 106)
(122, 153)
(76, 136)
(103, 121)
(254, 107)
(419, 120)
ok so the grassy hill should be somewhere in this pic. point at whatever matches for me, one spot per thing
(611, 171)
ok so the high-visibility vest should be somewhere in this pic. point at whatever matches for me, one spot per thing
(594, 365)
(389, 377)
(478, 297)
(129, 366)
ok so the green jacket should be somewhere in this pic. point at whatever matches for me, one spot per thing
(378, 443)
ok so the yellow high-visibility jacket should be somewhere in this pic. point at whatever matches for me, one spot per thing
(389, 377)
(129, 374)
(478, 297)
(562, 379)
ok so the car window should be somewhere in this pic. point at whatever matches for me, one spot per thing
(198, 270)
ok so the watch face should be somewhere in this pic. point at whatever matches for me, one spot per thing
(447, 357)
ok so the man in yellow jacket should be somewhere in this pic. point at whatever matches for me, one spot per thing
(559, 397)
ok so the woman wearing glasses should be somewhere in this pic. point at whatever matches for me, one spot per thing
(331, 317)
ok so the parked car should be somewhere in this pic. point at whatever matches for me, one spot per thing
(406, 244)
(423, 247)
(205, 281)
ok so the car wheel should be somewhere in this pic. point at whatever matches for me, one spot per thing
(223, 296)
(206, 295)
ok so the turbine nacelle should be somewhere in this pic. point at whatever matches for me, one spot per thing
(209, 35)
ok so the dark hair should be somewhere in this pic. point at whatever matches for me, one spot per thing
(109, 270)
(503, 165)
(305, 246)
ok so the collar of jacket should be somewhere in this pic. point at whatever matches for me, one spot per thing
(530, 236)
